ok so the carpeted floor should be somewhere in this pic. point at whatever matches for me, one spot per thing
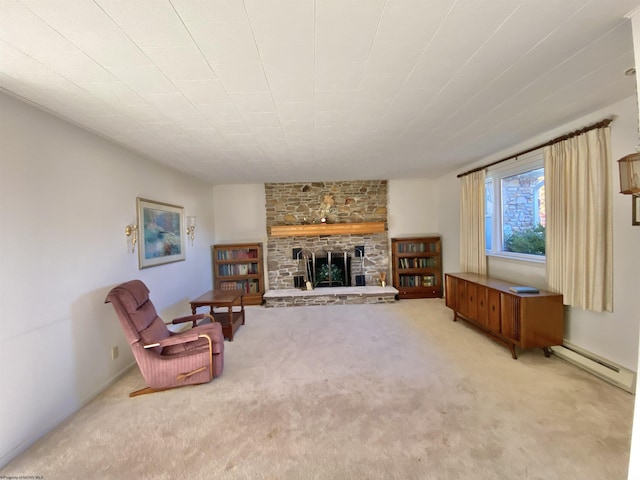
(352, 392)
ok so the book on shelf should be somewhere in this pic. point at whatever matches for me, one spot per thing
(237, 254)
(523, 289)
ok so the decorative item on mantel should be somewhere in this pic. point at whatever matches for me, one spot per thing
(326, 207)
(383, 279)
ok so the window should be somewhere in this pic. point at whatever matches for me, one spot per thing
(515, 216)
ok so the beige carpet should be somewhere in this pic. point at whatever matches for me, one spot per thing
(352, 392)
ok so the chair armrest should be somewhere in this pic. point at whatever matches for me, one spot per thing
(185, 337)
(190, 318)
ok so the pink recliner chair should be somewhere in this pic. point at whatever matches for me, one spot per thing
(166, 359)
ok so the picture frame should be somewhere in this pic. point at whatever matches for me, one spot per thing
(635, 218)
(162, 233)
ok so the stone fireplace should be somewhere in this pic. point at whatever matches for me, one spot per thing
(348, 256)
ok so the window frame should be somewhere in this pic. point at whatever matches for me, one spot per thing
(525, 163)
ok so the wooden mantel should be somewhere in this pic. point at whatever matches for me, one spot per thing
(326, 229)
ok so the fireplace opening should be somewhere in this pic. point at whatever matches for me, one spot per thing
(326, 269)
(332, 271)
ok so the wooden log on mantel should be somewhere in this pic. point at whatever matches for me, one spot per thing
(315, 229)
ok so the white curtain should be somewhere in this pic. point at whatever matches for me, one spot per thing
(579, 220)
(473, 256)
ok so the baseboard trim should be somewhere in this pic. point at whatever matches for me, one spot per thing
(615, 374)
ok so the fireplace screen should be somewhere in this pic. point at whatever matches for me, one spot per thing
(330, 268)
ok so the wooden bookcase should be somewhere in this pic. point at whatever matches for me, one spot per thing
(417, 266)
(239, 266)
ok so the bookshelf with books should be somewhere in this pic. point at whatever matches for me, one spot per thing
(417, 266)
(239, 267)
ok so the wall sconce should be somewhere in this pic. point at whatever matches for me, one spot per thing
(630, 174)
(191, 227)
(132, 231)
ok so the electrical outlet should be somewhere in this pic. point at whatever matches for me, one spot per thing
(114, 352)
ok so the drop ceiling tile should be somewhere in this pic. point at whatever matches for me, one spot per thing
(478, 19)
(144, 80)
(189, 120)
(332, 119)
(253, 102)
(232, 128)
(296, 127)
(219, 112)
(143, 113)
(171, 103)
(339, 76)
(288, 60)
(114, 93)
(242, 77)
(160, 129)
(18, 64)
(242, 141)
(413, 99)
(181, 63)
(210, 11)
(86, 25)
(411, 21)
(345, 30)
(396, 59)
(78, 68)
(269, 135)
(298, 89)
(281, 22)
(29, 34)
(208, 136)
(225, 42)
(335, 100)
(261, 120)
(295, 110)
(425, 75)
(161, 26)
(380, 89)
(300, 139)
(202, 91)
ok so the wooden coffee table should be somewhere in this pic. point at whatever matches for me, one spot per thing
(232, 317)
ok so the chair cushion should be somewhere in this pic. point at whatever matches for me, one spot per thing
(132, 295)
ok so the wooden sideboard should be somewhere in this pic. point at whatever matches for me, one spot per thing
(533, 320)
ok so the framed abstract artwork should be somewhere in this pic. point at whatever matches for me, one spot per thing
(162, 233)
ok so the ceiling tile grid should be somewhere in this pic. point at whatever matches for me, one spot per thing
(270, 90)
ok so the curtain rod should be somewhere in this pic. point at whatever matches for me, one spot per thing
(601, 124)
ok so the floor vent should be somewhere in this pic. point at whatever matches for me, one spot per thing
(606, 370)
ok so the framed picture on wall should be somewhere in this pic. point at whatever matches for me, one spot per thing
(162, 233)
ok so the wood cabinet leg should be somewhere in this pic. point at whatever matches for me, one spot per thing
(547, 351)
(455, 316)
(512, 347)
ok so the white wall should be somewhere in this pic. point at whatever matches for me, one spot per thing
(239, 212)
(412, 207)
(613, 336)
(65, 198)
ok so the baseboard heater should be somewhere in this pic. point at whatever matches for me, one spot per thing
(606, 370)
